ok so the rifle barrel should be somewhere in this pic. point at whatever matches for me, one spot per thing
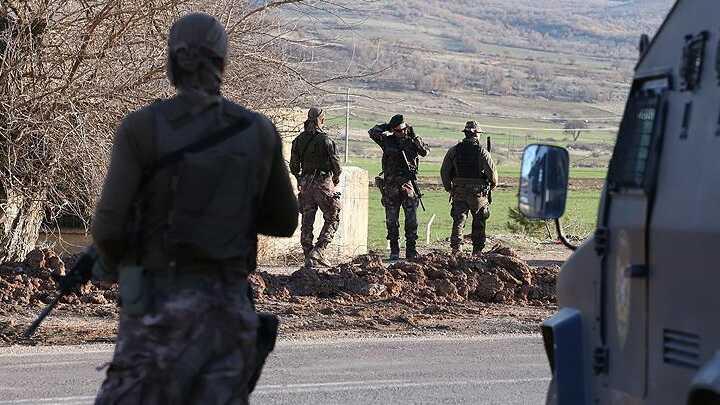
(45, 312)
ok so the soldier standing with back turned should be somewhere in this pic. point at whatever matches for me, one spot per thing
(401, 150)
(314, 162)
(468, 174)
(188, 332)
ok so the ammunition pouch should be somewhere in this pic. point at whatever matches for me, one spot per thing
(266, 338)
(472, 183)
(380, 184)
(135, 294)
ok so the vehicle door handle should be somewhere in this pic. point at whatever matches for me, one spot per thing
(637, 271)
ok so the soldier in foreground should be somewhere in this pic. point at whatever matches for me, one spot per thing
(188, 332)
(314, 162)
(401, 151)
(468, 174)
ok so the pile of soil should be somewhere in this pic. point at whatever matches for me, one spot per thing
(436, 293)
(30, 284)
(499, 276)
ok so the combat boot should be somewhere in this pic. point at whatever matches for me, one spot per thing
(410, 250)
(308, 260)
(394, 250)
(317, 256)
(477, 250)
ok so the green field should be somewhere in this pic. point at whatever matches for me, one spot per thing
(579, 219)
(441, 127)
(432, 169)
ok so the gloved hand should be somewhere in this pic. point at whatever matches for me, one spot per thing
(80, 274)
(411, 132)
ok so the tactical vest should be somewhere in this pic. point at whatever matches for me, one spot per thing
(393, 161)
(313, 150)
(467, 160)
(211, 195)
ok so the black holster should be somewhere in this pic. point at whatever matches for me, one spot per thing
(266, 337)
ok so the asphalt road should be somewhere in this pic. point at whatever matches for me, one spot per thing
(484, 370)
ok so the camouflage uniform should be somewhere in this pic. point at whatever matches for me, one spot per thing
(397, 190)
(314, 162)
(185, 351)
(188, 331)
(468, 174)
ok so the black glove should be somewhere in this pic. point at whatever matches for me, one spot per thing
(411, 132)
(80, 274)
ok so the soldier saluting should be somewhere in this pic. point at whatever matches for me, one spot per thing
(468, 174)
(401, 151)
(314, 162)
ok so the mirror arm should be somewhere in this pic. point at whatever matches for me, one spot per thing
(562, 237)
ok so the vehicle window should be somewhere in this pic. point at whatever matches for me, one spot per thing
(638, 130)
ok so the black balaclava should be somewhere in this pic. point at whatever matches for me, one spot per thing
(197, 50)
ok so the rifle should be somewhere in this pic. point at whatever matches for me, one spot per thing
(80, 274)
(413, 179)
(490, 189)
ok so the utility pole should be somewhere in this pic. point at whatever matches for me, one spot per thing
(347, 126)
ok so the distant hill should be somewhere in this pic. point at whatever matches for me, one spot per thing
(563, 50)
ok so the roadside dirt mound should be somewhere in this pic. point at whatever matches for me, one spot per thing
(30, 284)
(499, 276)
(438, 293)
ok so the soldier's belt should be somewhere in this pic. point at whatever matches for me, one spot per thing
(318, 174)
(204, 268)
(462, 181)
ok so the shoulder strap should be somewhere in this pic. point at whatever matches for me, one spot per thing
(207, 142)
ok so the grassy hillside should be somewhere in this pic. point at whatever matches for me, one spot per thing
(566, 50)
(523, 68)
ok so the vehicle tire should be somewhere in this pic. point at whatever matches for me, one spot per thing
(551, 398)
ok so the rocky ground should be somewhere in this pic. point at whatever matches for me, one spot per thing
(435, 294)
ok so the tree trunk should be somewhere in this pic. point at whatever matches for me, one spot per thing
(22, 217)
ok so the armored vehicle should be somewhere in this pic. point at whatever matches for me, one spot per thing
(639, 317)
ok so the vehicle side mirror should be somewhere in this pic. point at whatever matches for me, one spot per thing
(543, 181)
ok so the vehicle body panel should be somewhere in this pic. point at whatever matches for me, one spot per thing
(660, 329)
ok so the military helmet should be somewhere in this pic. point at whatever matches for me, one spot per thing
(201, 37)
(472, 127)
(396, 120)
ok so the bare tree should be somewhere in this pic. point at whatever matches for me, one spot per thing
(70, 69)
(574, 128)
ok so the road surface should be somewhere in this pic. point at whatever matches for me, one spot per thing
(483, 370)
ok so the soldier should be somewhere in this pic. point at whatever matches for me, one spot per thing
(314, 162)
(468, 174)
(401, 150)
(201, 176)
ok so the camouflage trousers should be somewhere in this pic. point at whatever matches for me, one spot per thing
(469, 200)
(318, 192)
(194, 346)
(398, 193)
